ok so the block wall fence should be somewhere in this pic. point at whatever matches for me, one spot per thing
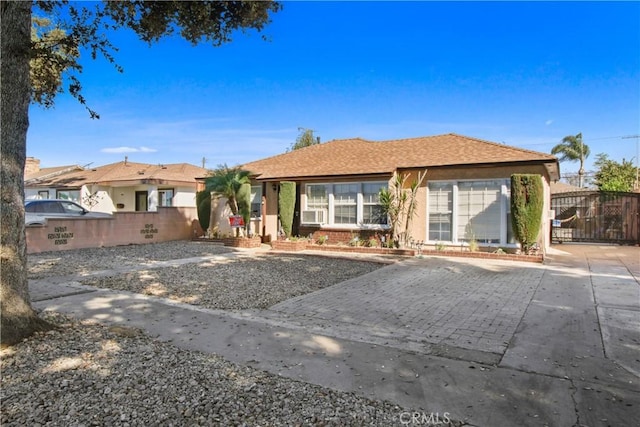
(125, 228)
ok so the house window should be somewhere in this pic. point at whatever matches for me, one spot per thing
(317, 197)
(440, 211)
(479, 207)
(165, 197)
(256, 201)
(469, 210)
(43, 194)
(371, 209)
(73, 195)
(344, 204)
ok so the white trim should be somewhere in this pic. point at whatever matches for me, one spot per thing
(329, 188)
(504, 192)
(454, 211)
(503, 212)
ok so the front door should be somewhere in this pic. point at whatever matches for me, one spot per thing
(142, 201)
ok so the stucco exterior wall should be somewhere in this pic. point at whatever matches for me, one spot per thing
(124, 198)
(183, 197)
(220, 214)
(271, 210)
(101, 197)
(124, 228)
(419, 229)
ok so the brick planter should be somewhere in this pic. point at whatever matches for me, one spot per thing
(238, 242)
(362, 250)
(484, 255)
(301, 245)
(289, 245)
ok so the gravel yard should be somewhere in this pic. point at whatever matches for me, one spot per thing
(259, 281)
(84, 261)
(85, 373)
(244, 281)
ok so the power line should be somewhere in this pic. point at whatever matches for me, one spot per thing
(585, 141)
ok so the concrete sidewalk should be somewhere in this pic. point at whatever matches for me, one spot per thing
(568, 350)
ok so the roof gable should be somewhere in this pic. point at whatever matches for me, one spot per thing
(358, 156)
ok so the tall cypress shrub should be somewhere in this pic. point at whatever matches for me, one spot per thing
(286, 205)
(203, 203)
(244, 203)
(527, 202)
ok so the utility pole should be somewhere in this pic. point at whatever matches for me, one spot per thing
(581, 172)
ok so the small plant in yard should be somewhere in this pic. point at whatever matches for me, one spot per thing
(471, 237)
(440, 247)
(355, 241)
(499, 251)
(322, 239)
(373, 242)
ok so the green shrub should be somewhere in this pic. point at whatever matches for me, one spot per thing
(203, 202)
(244, 202)
(527, 202)
(286, 205)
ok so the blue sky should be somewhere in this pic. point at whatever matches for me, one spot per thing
(520, 73)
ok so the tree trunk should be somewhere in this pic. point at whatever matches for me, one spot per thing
(17, 317)
(233, 205)
(581, 176)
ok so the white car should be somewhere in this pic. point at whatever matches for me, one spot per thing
(38, 210)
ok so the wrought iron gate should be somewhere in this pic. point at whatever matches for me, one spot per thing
(595, 216)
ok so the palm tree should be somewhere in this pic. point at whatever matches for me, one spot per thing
(573, 149)
(227, 182)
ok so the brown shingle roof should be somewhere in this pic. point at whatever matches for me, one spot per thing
(358, 156)
(128, 172)
(50, 172)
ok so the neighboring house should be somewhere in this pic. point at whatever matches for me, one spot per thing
(561, 187)
(118, 187)
(466, 194)
(34, 173)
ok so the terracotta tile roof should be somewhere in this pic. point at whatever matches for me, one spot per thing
(358, 156)
(128, 173)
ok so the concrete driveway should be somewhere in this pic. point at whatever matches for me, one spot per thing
(490, 343)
